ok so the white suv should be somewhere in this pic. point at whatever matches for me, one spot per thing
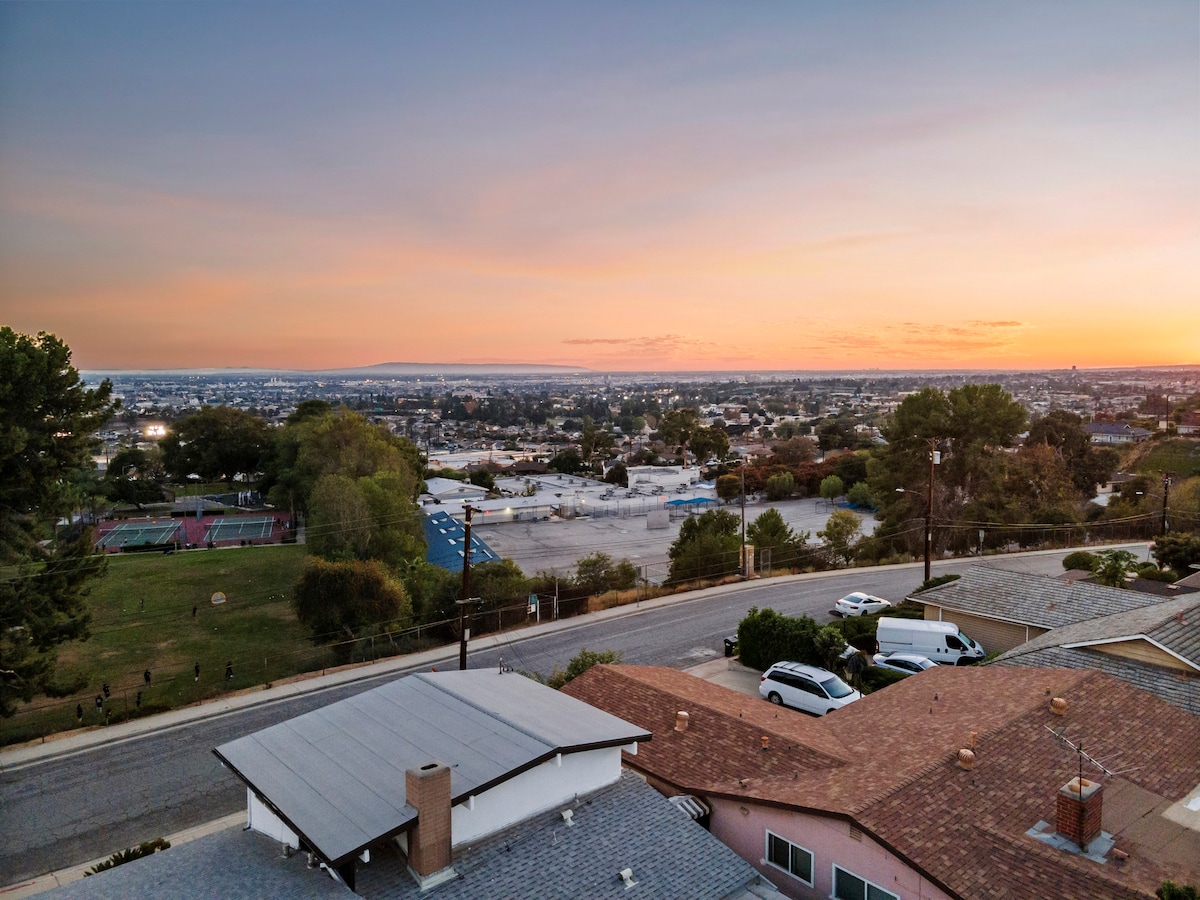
(805, 687)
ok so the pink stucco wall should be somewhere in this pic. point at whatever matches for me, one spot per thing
(743, 827)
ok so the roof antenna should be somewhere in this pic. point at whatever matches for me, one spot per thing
(1079, 749)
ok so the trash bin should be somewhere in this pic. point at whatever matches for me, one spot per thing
(730, 645)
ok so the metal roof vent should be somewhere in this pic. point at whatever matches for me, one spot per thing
(1058, 706)
(569, 818)
(681, 721)
(966, 759)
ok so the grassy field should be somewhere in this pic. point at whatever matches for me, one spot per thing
(1179, 456)
(154, 612)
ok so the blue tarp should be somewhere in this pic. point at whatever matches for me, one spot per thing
(690, 501)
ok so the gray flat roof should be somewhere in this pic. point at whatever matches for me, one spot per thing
(336, 775)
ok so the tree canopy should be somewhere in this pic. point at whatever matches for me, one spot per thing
(707, 546)
(48, 418)
(216, 443)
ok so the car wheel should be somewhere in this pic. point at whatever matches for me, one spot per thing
(775, 698)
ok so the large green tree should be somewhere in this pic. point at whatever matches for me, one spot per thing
(216, 443)
(48, 419)
(344, 601)
(772, 536)
(707, 546)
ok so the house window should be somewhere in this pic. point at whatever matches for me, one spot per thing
(848, 886)
(794, 860)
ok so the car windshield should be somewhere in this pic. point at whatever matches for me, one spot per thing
(966, 640)
(836, 688)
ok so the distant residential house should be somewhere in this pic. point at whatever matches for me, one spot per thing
(1115, 433)
(1187, 426)
(954, 783)
(1155, 648)
(1003, 609)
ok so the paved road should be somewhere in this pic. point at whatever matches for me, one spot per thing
(71, 803)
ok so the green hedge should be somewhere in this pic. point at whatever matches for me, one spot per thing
(877, 677)
(766, 637)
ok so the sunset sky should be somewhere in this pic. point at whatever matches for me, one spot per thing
(612, 185)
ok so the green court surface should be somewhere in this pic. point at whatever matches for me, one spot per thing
(239, 528)
(133, 534)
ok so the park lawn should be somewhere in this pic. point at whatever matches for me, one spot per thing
(154, 612)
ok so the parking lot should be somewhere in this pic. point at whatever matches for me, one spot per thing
(555, 545)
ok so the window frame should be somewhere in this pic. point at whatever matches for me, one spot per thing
(792, 846)
(867, 884)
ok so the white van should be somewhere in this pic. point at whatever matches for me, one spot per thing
(940, 641)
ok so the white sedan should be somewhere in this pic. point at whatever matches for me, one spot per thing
(860, 604)
(908, 663)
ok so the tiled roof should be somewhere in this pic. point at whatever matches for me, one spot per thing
(893, 771)
(1030, 599)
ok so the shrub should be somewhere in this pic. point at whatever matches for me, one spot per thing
(766, 637)
(1080, 559)
(877, 677)
(934, 582)
(123, 856)
(577, 666)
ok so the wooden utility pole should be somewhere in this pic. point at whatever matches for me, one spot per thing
(464, 621)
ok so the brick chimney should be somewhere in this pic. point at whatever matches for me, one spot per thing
(1078, 814)
(428, 792)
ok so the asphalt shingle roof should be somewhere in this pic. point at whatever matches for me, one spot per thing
(1030, 599)
(231, 864)
(628, 825)
(895, 774)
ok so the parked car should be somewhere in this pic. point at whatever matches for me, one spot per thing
(805, 687)
(857, 603)
(908, 663)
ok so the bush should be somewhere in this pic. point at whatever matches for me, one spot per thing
(935, 582)
(766, 637)
(577, 666)
(123, 856)
(877, 677)
(1152, 572)
(1080, 559)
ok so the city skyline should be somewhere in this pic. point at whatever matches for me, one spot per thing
(680, 187)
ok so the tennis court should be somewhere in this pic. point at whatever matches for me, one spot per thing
(239, 529)
(133, 534)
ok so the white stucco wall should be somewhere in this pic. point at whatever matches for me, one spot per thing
(555, 782)
(262, 820)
